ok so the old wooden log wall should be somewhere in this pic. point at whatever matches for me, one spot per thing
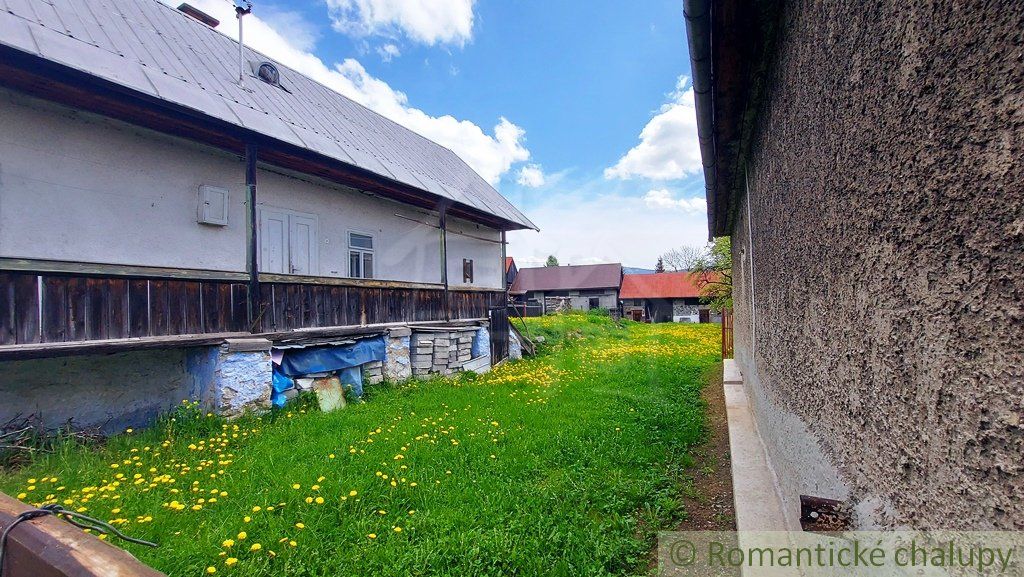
(54, 308)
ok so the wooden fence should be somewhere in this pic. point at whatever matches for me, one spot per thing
(727, 333)
(41, 308)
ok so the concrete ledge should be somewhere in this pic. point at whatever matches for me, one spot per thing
(758, 506)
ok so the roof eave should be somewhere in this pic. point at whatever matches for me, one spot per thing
(55, 82)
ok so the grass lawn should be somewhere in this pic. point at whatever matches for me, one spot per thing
(564, 464)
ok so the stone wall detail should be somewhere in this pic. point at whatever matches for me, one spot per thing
(442, 352)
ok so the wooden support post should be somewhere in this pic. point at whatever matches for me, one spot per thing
(444, 261)
(252, 225)
(504, 257)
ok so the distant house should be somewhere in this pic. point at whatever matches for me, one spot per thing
(583, 287)
(662, 297)
(511, 270)
(165, 202)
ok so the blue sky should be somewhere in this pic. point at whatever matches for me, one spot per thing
(578, 112)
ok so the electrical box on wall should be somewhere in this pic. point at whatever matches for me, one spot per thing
(213, 205)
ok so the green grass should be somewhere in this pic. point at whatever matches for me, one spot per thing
(564, 464)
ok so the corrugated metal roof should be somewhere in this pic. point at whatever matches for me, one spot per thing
(156, 50)
(549, 278)
(659, 286)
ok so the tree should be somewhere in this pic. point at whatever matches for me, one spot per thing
(660, 267)
(552, 261)
(684, 257)
(713, 274)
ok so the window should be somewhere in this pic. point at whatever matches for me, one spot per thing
(269, 74)
(467, 271)
(360, 255)
(595, 302)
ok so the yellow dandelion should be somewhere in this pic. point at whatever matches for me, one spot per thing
(398, 529)
(296, 486)
(255, 547)
(353, 493)
(228, 543)
(300, 526)
(319, 500)
(372, 536)
(211, 569)
(230, 561)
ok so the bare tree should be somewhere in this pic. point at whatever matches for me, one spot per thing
(684, 257)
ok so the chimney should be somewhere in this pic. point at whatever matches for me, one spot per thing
(198, 14)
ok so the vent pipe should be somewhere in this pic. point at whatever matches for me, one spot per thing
(241, 9)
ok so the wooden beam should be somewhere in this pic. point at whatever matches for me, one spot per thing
(50, 547)
(117, 270)
(267, 277)
(252, 226)
(444, 261)
(109, 346)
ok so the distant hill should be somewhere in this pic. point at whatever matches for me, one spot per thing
(635, 270)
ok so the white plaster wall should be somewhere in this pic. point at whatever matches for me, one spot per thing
(77, 188)
(403, 250)
(488, 265)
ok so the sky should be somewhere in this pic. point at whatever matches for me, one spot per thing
(580, 112)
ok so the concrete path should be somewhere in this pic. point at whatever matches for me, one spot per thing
(758, 507)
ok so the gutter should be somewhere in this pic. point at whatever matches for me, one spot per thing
(698, 34)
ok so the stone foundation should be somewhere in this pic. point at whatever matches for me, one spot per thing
(441, 352)
(397, 359)
(242, 376)
(373, 373)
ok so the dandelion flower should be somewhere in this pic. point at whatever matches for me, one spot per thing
(300, 526)
(255, 547)
(230, 561)
(242, 536)
(246, 519)
(353, 493)
(372, 536)
(398, 529)
(296, 486)
(211, 569)
(228, 543)
(319, 500)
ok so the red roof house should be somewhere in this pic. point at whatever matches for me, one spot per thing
(662, 297)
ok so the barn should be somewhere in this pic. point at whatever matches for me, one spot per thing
(182, 219)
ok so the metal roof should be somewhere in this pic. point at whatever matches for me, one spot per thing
(549, 278)
(659, 286)
(151, 48)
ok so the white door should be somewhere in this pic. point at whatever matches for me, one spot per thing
(302, 248)
(288, 242)
(273, 240)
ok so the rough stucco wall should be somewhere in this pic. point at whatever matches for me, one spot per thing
(111, 392)
(888, 231)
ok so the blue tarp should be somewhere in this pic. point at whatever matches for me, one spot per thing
(342, 359)
(327, 359)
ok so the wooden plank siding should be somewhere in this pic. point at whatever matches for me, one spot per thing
(46, 307)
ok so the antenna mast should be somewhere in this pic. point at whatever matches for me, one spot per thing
(241, 9)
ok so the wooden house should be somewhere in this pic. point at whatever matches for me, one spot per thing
(158, 194)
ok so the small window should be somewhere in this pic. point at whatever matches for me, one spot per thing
(467, 271)
(360, 255)
(269, 74)
(595, 303)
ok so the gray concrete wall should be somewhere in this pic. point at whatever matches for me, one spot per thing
(880, 332)
(111, 392)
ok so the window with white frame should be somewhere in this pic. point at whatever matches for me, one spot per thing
(360, 255)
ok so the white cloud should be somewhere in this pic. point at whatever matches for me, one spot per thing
(426, 21)
(388, 52)
(490, 155)
(581, 225)
(531, 175)
(668, 147)
(663, 199)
